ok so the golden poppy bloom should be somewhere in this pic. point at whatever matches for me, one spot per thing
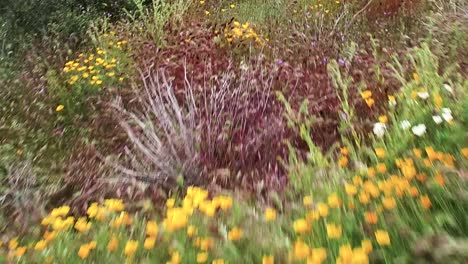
(131, 247)
(371, 217)
(301, 226)
(170, 202)
(382, 237)
(59, 108)
(20, 251)
(464, 152)
(364, 198)
(425, 202)
(235, 234)
(366, 245)
(113, 244)
(370, 102)
(366, 94)
(343, 162)
(202, 257)
(389, 202)
(301, 250)
(381, 168)
(268, 259)
(334, 201)
(151, 228)
(383, 119)
(334, 231)
(350, 189)
(40, 245)
(149, 242)
(318, 255)
(380, 152)
(344, 151)
(414, 191)
(191, 231)
(322, 209)
(270, 214)
(84, 250)
(439, 179)
(438, 100)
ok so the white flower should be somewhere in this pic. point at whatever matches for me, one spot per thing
(423, 95)
(437, 119)
(392, 102)
(419, 130)
(446, 110)
(405, 124)
(379, 129)
(448, 88)
(447, 116)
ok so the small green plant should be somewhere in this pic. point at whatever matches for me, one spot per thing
(153, 20)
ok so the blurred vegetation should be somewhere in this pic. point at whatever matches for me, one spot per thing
(290, 108)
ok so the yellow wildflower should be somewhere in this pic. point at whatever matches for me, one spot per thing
(131, 247)
(382, 237)
(268, 259)
(425, 202)
(319, 255)
(12, 244)
(360, 256)
(464, 152)
(151, 228)
(381, 168)
(301, 226)
(350, 189)
(59, 108)
(202, 257)
(20, 251)
(84, 250)
(322, 209)
(334, 231)
(191, 231)
(371, 217)
(383, 119)
(366, 246)
(235, 234)
(380, 152)
(49, 236)
(343, 162)
(270, 214)
(366, 94)
(334, 201)
(82, 225)
(389, 202)
(170, 203)
(149, 242)
(40, 245)
(301, 250)
(113, 244)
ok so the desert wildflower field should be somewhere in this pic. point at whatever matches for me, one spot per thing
(243, 131)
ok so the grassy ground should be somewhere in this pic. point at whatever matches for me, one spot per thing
(233, 132)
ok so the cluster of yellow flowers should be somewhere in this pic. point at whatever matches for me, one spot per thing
(242, 32)
(320, 7)
(372, 193)
(367, 96)
(343, 160)
(97, 68)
